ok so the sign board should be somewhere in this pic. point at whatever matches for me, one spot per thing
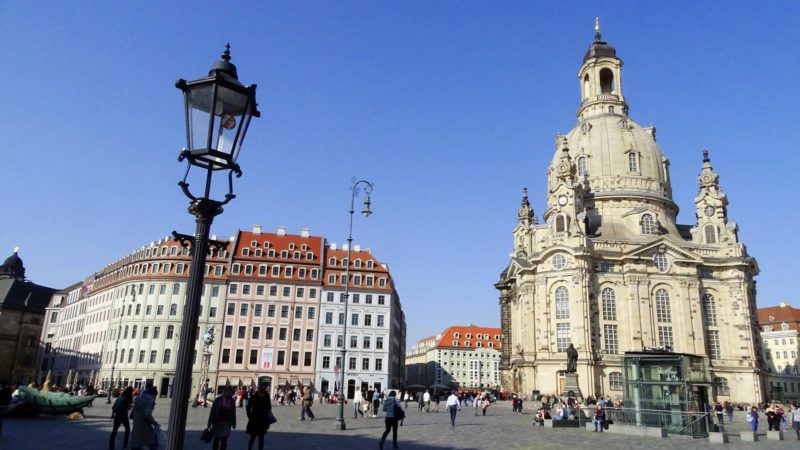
(266, 359)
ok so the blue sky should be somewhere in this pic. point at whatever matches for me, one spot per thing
(449, 107)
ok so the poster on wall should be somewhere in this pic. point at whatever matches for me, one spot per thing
(266, 359)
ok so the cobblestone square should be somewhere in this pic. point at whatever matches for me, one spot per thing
(500, 429)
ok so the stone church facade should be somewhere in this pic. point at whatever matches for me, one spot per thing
(609, 270)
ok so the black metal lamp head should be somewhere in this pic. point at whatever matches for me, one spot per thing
(218, 111)
(367, 203)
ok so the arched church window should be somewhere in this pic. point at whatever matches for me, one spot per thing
(633, 162)
(648, 224)
(663, 309)
(561, 223)
(607, 81)
(582, 172)
(711, 234)
(710, 310)
(609, 304)
(562, 303)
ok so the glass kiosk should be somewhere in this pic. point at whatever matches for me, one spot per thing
(667, 390)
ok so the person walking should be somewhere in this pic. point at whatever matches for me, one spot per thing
(306, 402)
(476, 403)
(394, 414)
(427, 399)
(599, 418)
(376, 402)
(420, 401)
(222, 418)
(145, 428)
(358, 397)
(796, 420)
(729, 410)
(719, 411)
(119, 414)
(453, 405)
(259, 408)
(752, 417)
(436, 400)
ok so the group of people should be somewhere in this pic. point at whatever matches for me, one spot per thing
(778, 418)
(144, 432)
(367, 402)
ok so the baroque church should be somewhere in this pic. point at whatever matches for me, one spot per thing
(609, 270)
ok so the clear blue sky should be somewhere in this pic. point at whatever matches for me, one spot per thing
(449, 107)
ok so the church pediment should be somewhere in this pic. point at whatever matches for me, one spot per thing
(665, 245)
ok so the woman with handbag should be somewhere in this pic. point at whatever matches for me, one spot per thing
(222, 418)
(394, 414)
(259, 416)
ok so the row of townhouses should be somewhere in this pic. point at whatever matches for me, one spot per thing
(275, 303)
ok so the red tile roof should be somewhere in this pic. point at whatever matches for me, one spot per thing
(449, 337)
(776, 315)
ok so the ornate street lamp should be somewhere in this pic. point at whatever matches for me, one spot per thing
(340, 424)
(218, 113)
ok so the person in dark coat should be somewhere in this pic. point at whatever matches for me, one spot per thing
(222, 418)
(145, 427)
(119, 414)
(258, 410)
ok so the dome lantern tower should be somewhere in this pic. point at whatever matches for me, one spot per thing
(601, 81)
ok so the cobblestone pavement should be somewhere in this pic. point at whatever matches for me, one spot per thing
(499, 430)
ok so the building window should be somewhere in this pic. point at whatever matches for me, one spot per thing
(256, 333)
(167, 356)
(710, 310)
(351, 365)
(281, 360)
(228, 331)
(611, 340)
(354, 320)
(253, 356)
(380, 320)
(270, 310)
(269, 333)
(367, 320)
(562, 337)
(365, 364)
(633, 162)
(242, 332)
(170, 331)
(648, 225)
(379, 343)
(721, 385)
(239, 356)
(562, 303)
(311, 312)
(326, 362)
(328, 318)
(561, 223)
(176, 289)
(711, 234)
(309, 335)
(663, 309)
(582, 172)
(298, 312)
(306, 357)
(295, 358)
(282, 333)
(615, 381)
(665, 337)
(559, 261)
(284, 311)
(378, 364)
(609, 304)
(153, 356)
(713, 344)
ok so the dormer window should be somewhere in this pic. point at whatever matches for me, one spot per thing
(245, 252)
(291, 246)
(253, 243)
(633, 162)
(455, 343)
(648, 225)
(357, 263)
(457, 335)
(309, 255)
(284, 254)
(332, 261)
(266, 244)
(784, 326)
(581, 162)
(369, 264)
(258, 252)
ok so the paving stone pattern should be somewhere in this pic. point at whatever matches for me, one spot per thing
(500, 429)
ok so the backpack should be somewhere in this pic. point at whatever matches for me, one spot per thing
(399, 414)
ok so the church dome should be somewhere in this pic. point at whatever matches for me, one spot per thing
(13, 266)
(612, 154)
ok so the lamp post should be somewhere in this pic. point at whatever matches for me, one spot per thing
(218, 112)
(340, 424)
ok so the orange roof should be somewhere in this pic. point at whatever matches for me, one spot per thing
(288, 250)
(360, 257)
(459, 334)
(776, 315)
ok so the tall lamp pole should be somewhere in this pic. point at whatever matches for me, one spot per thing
(340, 424)
(218, 112)
(116, 345)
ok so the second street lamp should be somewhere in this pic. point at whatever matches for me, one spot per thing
(218, 113)
(340, 423)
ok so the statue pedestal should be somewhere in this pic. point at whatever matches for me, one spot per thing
(571, 385)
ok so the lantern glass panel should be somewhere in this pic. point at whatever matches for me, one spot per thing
(216, 138)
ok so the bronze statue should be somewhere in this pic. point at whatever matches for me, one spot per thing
(572, 359)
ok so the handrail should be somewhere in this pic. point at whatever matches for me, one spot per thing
(704, 416)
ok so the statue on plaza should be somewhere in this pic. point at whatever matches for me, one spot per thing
(572, 359)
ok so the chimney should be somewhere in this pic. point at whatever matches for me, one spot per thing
(368, 250)
(281, 231)
(345, 247)
(305, 232)
(256, 229)
(356, 248)
(333, 245)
